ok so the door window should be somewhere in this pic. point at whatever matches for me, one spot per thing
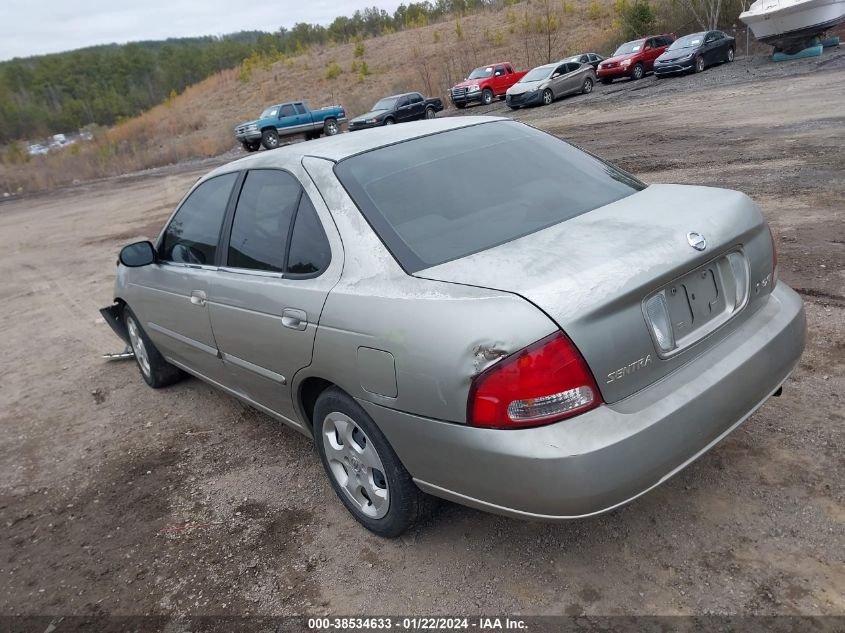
(286, 110)
(403, 101)
(500, 70)
(262, 220)
(416, 97)
(300, 109)
(561, 70)
(193, 233)
(509, 69)
(310, 252)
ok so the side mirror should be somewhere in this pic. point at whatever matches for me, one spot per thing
(137, 254)
(555, 75)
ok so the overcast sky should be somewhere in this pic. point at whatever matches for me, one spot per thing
(32, 27)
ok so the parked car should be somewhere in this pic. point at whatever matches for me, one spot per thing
(695, 52)
(287, 119)
(544, 84)
(558, 343)
(398, 109)
(593, 59)
(485, 83)
(634, 59)
(37, 149)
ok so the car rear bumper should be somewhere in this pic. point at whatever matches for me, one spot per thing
(674, 67)
(606, 457)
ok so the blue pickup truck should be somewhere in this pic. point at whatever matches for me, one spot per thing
(287, 119)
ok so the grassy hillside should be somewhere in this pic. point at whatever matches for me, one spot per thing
(430, 58)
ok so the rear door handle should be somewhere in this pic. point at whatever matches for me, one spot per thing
(294, 319)
(198, 297)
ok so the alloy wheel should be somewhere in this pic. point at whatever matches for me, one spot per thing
(547, 97)
(355, 465)
(138, 346)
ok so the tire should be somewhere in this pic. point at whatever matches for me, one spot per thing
(548, 97)
(270, 139)
(430, 113)
(330, 127)
(606, 81)
(389, 121)
(155, 371)
(699, 65)
(513, 107)
(637, 72)
(587, 88)
(460, 106)
(252, 146)
(348, 441)
(730, 56)
(486, 96)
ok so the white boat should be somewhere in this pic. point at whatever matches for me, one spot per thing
(790, 25)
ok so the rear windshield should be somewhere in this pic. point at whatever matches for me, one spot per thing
(448, 195)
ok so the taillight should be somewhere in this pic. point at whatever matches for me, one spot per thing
(774, 258)
(543, 383)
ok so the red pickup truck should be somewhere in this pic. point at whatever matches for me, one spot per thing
(484, 83)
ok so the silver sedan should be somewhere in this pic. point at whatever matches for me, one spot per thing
(467, 308)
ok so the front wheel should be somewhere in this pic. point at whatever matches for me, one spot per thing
(252, 146)
(389, 121)
(587, 88)
(638, 72)
(363, 469)
(330, 127)
(155, 371)
(270, 139)
(460, 106)
(730, 55)
(430, 113)
(699, 64)
(548, 97)
(487, 96)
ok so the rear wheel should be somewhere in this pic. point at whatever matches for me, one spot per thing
(430, 113)
(363, 469)
(155, 371)
(638, 72)
(486, 96)
(548, 97)
(587, 88)
(330, 127)
(270, 139)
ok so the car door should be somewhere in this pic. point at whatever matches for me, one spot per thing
(573, 78)
(650, 53)
(291, 122)
(403, 109)
(170, 296)
(557, 81)
(500, 80)
(417, 106)
(266, 299)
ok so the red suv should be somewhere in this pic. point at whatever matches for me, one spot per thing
(634, 59)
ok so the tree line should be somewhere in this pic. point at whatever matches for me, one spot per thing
(63, 92)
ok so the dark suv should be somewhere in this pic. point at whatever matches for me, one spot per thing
(634, 59)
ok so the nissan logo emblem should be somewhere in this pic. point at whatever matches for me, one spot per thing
(696, 240)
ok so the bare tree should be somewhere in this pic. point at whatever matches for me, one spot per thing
(548, 23)
(705, 12)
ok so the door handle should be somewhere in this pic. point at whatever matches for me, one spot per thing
(198, 297)
(294, 319)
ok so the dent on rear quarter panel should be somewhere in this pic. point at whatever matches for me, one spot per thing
(433, 329)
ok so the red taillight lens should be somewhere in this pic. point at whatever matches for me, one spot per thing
(546, 382)
(774, 257)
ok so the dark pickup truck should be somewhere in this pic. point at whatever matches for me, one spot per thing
(409, 106)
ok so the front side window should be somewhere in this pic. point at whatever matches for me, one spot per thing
(500, 70)
(193, 233)
(448, 195)
(260, 228)
(286, 110)
(310, 252)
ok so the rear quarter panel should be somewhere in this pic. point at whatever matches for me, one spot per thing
(432, 329)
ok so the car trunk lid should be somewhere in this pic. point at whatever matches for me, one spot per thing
(597, 276)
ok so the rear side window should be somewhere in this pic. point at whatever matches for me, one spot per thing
(444, 196)
(416, 97)
(310, 252)
(300, 109)
(262, 220)
(193, 233)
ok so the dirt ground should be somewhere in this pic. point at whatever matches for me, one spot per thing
(117, 499)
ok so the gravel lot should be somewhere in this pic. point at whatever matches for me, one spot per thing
(117, 499)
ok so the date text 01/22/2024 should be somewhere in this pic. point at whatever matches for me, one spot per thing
(487, 624)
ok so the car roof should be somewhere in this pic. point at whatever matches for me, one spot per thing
(336, 148)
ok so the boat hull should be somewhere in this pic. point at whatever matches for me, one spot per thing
(783, 24)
